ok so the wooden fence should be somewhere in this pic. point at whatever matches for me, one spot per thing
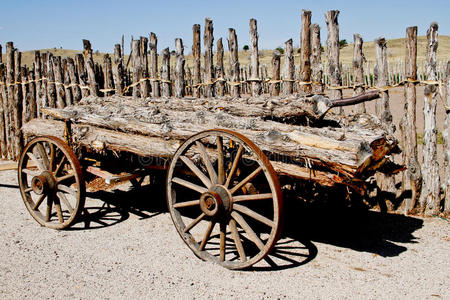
(57, 82)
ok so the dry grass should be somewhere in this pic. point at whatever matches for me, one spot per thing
(396, 52)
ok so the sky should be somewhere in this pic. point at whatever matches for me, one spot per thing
(47, 24)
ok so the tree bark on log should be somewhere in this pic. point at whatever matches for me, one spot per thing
(316, 60)
(412, 177)
(446, 134)
(358, 71)
(90, 68)
(289, 68)
(208, 40)
(220, 71)
(275, 86)
(179, 69)
(305, 52)
(254, 59)
(154, 65)
(17, 105)
(59, 82)
(429, 198)
(334, 68)
(165, 74)
(233, 49)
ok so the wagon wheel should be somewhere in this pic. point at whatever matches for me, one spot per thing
(51, 182)
(224, 198)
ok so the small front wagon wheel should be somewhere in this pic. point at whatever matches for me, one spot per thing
(224, 198)
(51, 182)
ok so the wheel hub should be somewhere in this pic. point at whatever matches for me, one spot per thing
(43, 183)
(217, 200)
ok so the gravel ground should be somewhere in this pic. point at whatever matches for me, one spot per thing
(129, 248)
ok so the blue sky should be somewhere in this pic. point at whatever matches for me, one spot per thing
(46, 24)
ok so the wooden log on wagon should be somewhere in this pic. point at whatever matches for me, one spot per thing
(316, 60)
(429, 202)
(153, 45)
(305, 53)
(208, 40)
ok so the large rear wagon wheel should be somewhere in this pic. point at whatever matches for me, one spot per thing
(224, 198)
(51, 182)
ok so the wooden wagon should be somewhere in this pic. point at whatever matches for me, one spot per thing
(223, 188)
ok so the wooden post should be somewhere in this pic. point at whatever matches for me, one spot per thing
(33, 92)
(17, 107)
(90, 68)
(82, 75)
(38, 83)
(59, 82)
(305, 52)
(10, 93)
(316, 60)
(179, 68)
(145, 85)
(254, 59)
(358, 62)
(334, 69)
(67, 83)
(412, 178)
(208, 41)
(234, 63)
(135, 67)
(445, 96)
(118, 70)
(108, 75)
(72, 73)
(51, 88)
(165, 74)
(429, 199)
(3, 113)
(27, 107)
(154, 65)
(386, 183)
(196, 53)
(220, 85)
(275, 86)
(288, 78)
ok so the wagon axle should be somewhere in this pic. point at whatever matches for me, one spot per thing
(216, 201)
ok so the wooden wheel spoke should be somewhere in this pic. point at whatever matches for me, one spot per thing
(246, 180)
(27, 190)
(187, 204)
(237, 240)
(223, 234)
(58, 210)
(253, 214)
(220, 161)
(193, 223)
(251, 234)
(65, 177)
(39, 201)
(189, 185)
(44, 156)
(67, 190)
(212, 173)
(58, 168)
(253, 197)
(208, 231)
(49, 208)
(63, 198)
(196, 171)
(30, 172)
(52, 157)
(36, 161)
(234, 165)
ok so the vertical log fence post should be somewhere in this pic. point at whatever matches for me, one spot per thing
(275, 85)
(90, 68)
(17, 105)
(196, 53)
(3, 111)
(38, 83)
(143, 60)
(234, 63)
(446, 134)
(165, 73)
(288, 76)
(26, 98)
(208, 40)
(59, 82)
(82, 74)
(135, 67)
(179, 69)
(72, 72)
(316, 60)
(67, 83)
(429, 202)
(305, 53)
(254, 59)
(220, 85)
(118, 70)
(10, 93)
(154, 65)
(108, 75)
(358, 71)
(334, 69)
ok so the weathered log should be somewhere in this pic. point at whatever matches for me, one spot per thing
(38, 79)
(196, 54)
(17, 105)
(233, 49)
(136, 67)
(32, 94)
(305, 52)
(10, 94)
(408, 123)
(275, 86)
(51, 87)
(154, 65)
(73, 76)
(118, 70)
(334, 68)
(108, 75)
(3, 114)
(59, 82)
(220, 71)
(179, 69)
(165, 74)
(429, 202)
(445, 96)
(82, 74)
(254, 59)
(288, 76)
(90, 68)
(358, 62)
(316, 60)
(27, 107)
(208, 40)
(143, 60)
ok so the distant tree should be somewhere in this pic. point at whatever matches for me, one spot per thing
(172, 52)
(342, 44)
(299, 50)
(281, 50)
(246, 48)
